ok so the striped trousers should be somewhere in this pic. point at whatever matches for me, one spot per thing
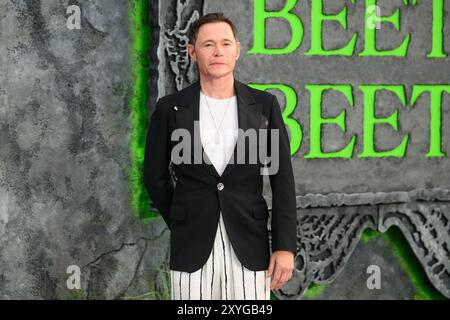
(223, 277)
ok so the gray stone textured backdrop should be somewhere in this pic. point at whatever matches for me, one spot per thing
(64, 197)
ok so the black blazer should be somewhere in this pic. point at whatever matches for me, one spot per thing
(190, 204)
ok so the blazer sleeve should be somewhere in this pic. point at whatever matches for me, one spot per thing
(284, 212)
(157, 178)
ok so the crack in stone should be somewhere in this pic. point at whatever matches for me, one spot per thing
(124, 291)
(101, 256)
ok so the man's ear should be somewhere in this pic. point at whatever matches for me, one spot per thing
(191, 51)
(238, 45)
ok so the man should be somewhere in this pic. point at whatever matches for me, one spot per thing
(216, 212)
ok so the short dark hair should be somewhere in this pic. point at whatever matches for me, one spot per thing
(209, 18)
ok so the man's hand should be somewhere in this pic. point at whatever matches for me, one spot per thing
(281, 266)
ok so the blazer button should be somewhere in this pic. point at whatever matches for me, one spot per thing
(220, 186)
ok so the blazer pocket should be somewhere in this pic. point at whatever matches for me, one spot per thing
(178, 213)
(260, 211)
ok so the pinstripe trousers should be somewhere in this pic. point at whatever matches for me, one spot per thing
(223, 277)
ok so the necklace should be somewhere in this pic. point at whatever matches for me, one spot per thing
(217, 135)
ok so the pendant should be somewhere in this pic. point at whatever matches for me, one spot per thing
(217, 138)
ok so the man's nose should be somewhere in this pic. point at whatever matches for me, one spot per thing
(218, 50)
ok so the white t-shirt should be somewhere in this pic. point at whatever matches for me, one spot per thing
(218, 153)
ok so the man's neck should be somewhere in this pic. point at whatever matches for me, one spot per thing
(218, 88)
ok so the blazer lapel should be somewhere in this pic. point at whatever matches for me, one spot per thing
(249, 114)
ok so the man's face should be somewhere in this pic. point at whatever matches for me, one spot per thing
(216, 50)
